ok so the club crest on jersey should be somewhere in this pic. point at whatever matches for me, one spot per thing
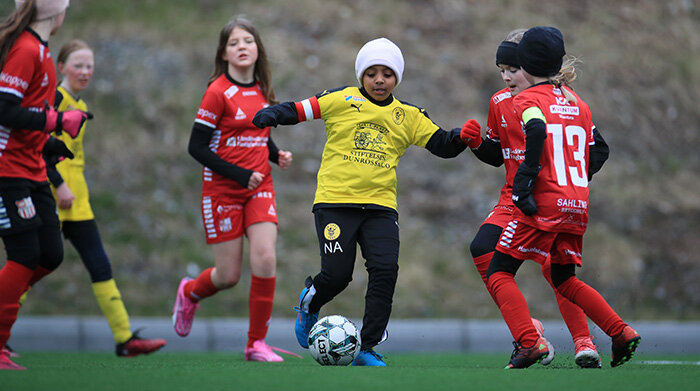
(240, 114)
(398, 115)
(25, 208)
(225, 225)
(331, 232)
(45, 82)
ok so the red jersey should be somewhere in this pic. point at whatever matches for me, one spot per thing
(561, 188)
(505, 127)
(229, 107)
(29, 74)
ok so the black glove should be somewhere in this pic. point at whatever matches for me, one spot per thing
(264, 118)
(523, 183)
(55, 150)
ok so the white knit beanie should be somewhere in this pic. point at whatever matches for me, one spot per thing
(380, 51)
(46, 8)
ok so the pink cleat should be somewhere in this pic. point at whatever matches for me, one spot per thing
(10, 353)
(264, 353)
(7, 364)
(586, 353)
(184, 310)
(540, 331)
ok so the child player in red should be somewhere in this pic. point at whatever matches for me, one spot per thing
(238, 196)
(505, 145)
(29, 226)
(550, 191)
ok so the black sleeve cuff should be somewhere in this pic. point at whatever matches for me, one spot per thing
(489, 152)
(446, 144)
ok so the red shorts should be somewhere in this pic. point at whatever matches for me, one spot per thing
(524, 242)
(500, 215)
(226, 218)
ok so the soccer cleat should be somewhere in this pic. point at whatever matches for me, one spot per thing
(305, 319)
(136, 346)
(10, 353)
(183, 311)
(369, 358)
(540, 331)
(523, 357)
(586, 353)
(7, 364)
(624, 345)
(260, 351)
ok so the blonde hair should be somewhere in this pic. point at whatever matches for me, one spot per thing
(566, 76)
(516, 35)
(13, 27)
(262, 73)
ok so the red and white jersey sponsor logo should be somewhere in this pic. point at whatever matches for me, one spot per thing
(25, 208)
(13, 84)
(500, 96)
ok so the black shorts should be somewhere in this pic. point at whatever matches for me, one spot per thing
(25, 205)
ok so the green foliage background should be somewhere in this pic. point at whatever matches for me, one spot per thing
(639, 73)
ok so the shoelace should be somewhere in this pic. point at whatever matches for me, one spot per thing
(515, 351)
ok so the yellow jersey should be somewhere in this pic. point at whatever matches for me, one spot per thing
(365, 140)
(71, 170)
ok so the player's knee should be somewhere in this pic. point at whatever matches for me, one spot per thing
(479, 247)
(503, 263)
(100, 273)
(561, 273)
(225, 279)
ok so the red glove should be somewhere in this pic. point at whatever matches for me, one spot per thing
(471, 134)
(71, 121)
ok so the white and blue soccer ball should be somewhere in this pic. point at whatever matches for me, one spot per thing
(334, 340)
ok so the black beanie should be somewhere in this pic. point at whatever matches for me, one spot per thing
(541, 51)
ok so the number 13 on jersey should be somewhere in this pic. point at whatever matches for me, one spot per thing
(576, 139)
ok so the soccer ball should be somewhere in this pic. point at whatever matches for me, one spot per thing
(334, 340)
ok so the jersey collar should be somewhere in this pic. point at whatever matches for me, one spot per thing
(238, 83)
(385, 102)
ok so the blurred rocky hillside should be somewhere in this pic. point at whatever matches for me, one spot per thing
(639, 72)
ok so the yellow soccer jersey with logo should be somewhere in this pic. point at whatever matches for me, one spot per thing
(71, 170)
(365, 141)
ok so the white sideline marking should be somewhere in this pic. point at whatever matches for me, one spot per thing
(667, 362)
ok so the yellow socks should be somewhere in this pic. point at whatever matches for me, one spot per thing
(110, 300)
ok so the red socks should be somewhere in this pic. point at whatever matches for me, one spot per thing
(573, 315)
(201, 287)
(482, 266)
(593, 304)
(14, 279)
(39, 273)
(513, 308)
(262, 295)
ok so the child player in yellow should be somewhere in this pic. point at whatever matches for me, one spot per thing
(368, 130)
(76, 65)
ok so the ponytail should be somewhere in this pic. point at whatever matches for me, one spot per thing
(566, 76)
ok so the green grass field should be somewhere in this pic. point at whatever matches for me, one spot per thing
(209, 371)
